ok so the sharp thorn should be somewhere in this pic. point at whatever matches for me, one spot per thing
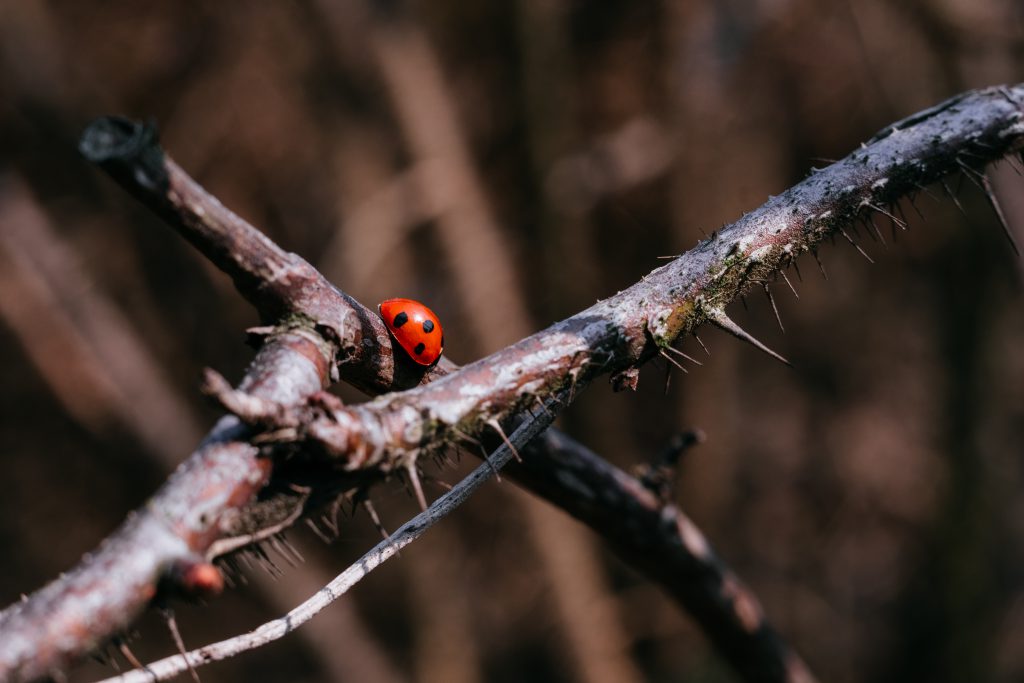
(952, 196)
(701, 344)
(129, 655)
(722, 321)
(438, 482)
(905, 223)
(672, 360)
(913, 205)
(375, 518)
(893, 218)
(417, 488)
(869, 219)
(287, 550)
(796, 269)
(970, 173)
(316, 530)
(501, 432)
(668, 377)
(855, 245)
(821, 266)
(684, 355)
(172, 626)
(775, 309)
(743, 300)
(791, 287)
(994, 202)
(871, 233)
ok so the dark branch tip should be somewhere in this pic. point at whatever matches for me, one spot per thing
(121, 145)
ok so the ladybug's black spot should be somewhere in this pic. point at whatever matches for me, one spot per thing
(420, 348)
(400, 319)
(428, 326)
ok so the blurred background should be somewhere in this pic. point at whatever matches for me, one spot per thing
(510, 163)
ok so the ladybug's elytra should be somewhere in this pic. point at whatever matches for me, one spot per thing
(415, 328)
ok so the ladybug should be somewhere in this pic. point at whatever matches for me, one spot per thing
(415, 328)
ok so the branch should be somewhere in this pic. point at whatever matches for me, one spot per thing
(557, 468)
(406, 534)
(615, 335)
(160, 545)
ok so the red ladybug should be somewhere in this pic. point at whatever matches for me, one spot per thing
(415, 328)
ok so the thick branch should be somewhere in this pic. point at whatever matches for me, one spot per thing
(627, 329)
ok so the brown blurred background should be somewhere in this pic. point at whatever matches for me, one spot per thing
(509, 163)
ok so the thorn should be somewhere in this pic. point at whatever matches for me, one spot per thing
(375, 518)
(316, 530)
(417, 488)
(796, 268)
(722, 321)
(971, 173)
(268, 565)
(743, 300)
(668, 377)
(672, 360)
(501, 432)
(855, 245)
(438, 482)
(899, 208)
(701, 344)
(684, 355)
(127, 653)
(913, 204)
(330, 518)
(952, 196)
(791, 287)
(926, 190)
(172, 626)
(668, 258)
(483, 451)
(821, 267)
(897, 221)
(285, 550)
(771, 300)
(870, 220)
(991, 194)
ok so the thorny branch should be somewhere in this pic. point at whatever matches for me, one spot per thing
(558, 468)
(403, 536)
(75, 613)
